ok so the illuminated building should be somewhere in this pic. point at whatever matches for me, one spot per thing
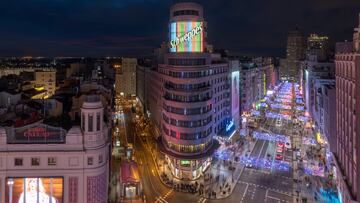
(46, 79)
(125, 78)
(257, 76)
(187, 94)
(295, 52)
(49, 162)
(347, 156)
(316, 65)
(317, 46)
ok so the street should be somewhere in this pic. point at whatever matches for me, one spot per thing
(265, 172)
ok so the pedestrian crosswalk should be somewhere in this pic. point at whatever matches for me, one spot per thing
(162, 199)
(202, 200)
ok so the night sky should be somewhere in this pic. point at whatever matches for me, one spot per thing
(136, 27)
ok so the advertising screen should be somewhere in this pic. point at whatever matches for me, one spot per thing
(40, 190)
(235, 93)
(186, 36)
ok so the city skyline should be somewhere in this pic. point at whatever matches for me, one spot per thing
(121, 28)
(216, 101)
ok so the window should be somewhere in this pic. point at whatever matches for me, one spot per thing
(35, 161)
(18, 161)
(98, 121)
(83, 122)
(90, 123)
(90, 161)
(100, 159)
(52, 161)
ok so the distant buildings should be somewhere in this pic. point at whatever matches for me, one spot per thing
(347, 155)
(51, 163)
(47, 81)
(295, 52)
(257, 76)
(316, 65)
(125, 79)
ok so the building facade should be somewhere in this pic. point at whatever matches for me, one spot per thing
(347, 156)
(257, 76)
(39, 163)
(125, 78)
(187, 94)
(46, 80)
(295, 52)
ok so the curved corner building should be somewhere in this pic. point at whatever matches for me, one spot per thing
(194, 94)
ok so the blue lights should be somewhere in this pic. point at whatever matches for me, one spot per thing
(267, 136)
(229, 126)
(265, 163)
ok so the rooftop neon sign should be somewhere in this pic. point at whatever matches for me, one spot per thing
(186, 36)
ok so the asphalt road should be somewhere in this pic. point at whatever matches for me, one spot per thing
(154, 189)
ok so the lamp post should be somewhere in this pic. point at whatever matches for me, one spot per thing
(10, 183)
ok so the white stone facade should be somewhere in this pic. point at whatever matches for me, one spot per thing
(80, 157)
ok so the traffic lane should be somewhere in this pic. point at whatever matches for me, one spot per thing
(268, 180)
(163, 191)
(237, 195)
(249, 195)
(257, 148)
(181, 197)
(153, 187)
(264, 150)
(273, 195)
(129, 125)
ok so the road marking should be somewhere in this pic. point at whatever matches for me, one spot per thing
(262, 147)
(268, 188)
(202, 200)
(275, 198)
(160, 199)
(168, 193)
(247, 186)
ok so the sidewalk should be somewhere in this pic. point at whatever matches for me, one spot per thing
(220, 181)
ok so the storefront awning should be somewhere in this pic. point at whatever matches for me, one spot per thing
(129, 172)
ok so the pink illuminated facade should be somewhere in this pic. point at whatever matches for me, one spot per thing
(348, 119)
(187, 94)
(49, 163)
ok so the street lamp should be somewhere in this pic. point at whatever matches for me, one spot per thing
(10, 183)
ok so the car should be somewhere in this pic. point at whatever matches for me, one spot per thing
(249, 165)
(279, 150)
(278, 122)
(287, 145)
(280, 144)
(279, 157)
(117, 144)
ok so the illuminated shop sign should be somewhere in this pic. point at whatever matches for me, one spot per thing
(186, 36)
(34, 189)
(36, 134)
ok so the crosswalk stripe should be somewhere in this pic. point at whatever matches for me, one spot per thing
(160, 199)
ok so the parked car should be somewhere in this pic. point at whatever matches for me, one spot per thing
(279, 157)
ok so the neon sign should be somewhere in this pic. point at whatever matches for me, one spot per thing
(229, 126)
(36, 132)
(186, 37)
